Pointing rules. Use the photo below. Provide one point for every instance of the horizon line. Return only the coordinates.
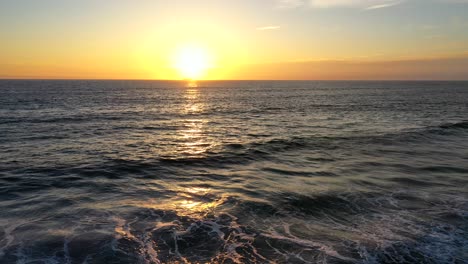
(233, 80)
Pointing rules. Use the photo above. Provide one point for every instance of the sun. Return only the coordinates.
(192, 62)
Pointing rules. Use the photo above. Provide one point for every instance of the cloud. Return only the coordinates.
(382, 5)
(268, 28)
(366, 4)
(455, 1)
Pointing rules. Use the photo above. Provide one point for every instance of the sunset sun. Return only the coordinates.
(192, 62)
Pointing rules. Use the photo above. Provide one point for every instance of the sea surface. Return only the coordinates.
(233, 172)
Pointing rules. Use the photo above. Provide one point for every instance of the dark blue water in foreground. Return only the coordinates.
(233, 172)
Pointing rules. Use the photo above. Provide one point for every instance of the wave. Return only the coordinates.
(350, 227)
(337, 142)
(318, 149)
(61, 120)
(459, 125)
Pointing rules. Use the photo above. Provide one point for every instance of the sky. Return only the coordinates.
(241, 39)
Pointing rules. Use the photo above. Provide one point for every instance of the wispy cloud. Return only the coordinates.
(366, 4)
(455, 1)
(268, 28)
(390, 4)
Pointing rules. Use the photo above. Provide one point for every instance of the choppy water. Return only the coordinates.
(233, 172)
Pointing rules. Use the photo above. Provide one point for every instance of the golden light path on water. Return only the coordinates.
(190, 202)
(193, 135)
(194, 202)
(189, 205)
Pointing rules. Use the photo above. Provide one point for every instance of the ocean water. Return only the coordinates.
(233, 172)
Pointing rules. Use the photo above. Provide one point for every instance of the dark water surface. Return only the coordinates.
(233, 172)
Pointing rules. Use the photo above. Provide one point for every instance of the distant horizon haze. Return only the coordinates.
(442, 69)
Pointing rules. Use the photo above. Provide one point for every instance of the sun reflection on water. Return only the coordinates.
(193, 104)
(196, 201)
(193, 202)
(193, 135)
(193, 140)
(192, 84)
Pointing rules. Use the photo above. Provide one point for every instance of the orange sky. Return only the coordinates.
(265, 39)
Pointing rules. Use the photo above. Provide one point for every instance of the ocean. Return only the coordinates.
(233, 172)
